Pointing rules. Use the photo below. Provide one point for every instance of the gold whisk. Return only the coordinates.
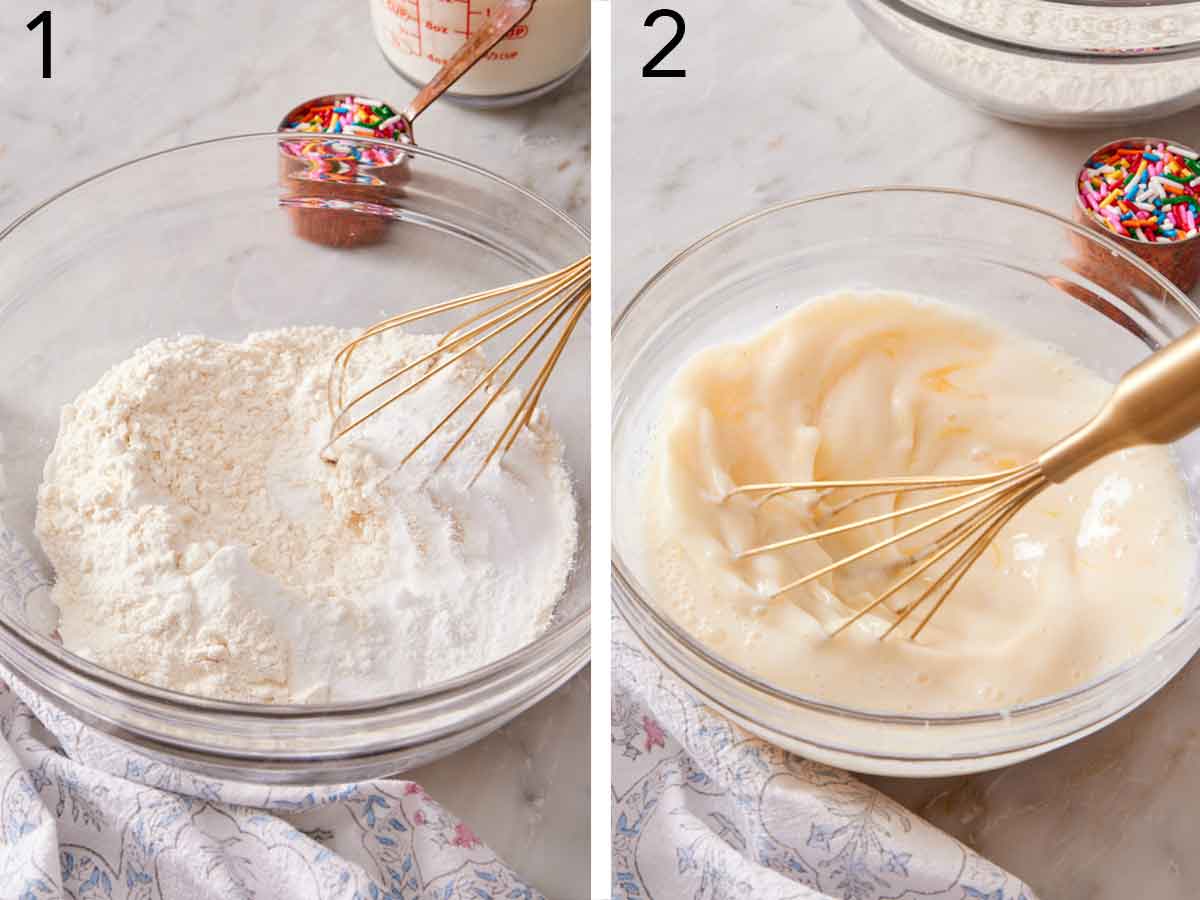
(561, 297)
(1156, 402)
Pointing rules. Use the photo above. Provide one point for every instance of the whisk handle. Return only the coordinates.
(1156, 402)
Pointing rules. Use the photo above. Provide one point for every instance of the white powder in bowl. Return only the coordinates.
(201, 544)
(1112, 78)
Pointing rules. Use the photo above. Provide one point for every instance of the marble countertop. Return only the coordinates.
(811, 104)
(134, 77)
(1106, 818)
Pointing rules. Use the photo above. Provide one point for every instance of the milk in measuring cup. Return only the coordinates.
(418, 36)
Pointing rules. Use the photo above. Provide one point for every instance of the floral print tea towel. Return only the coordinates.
(705, 811)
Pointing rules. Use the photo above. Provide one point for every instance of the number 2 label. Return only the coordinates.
(650, 69)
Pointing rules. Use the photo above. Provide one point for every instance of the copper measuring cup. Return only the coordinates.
(348, 208)
(1178, 261)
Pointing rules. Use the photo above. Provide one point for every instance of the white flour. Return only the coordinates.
(1051, 90)
(200, 544)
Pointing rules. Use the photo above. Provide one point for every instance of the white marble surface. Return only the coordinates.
(784, 99)
(134, 76)
(787, 99)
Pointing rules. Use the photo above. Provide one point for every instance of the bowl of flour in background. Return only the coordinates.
(1080, 64)
(195, 241)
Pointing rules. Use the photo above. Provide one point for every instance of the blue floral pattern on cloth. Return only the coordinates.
(83, 816)
(704, 810)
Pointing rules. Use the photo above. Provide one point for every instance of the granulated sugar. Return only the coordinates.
(201, 544)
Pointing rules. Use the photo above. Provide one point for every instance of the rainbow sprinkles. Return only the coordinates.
(351, 116)
(332, 157)
(1147, 192)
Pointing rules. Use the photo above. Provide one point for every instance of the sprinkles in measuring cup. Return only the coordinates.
(1148, 192)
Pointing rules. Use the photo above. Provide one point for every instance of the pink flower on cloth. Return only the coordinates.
(655, 736)
(465, 837)
(412, 788)
(419, 817)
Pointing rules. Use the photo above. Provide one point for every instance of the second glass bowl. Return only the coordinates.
(1084, 63)
(1032, 271)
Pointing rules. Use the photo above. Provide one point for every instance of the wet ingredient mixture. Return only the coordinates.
(199, 542)
(863, 384)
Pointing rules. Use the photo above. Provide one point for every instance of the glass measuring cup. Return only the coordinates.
(542, 52)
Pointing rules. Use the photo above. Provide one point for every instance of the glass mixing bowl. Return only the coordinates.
(198, 239)
(1029, 269)
(1076, 63)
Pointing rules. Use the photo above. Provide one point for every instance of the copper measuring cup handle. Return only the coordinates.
(507, 15)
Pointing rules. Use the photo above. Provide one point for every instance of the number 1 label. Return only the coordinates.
(43, 21)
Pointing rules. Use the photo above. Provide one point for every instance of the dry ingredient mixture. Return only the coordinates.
(858, 385)
(201, 544)
(1046, 88)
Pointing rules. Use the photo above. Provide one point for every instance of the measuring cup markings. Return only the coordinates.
(420, 36)
(408, 34)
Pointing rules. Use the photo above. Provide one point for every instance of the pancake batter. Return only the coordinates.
(863, 384)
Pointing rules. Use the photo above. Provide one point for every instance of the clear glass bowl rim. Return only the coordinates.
(962, 32)
(628, 590)
(59, 657)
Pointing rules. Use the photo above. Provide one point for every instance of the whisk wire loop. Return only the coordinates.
(965, 562)
(528, 299)
(903, 482)
(976, 516)
(952, 541)
(991, 492)
(561, 297)
(573, 275)
(983, 490)
(533, 397)
(518, 420)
